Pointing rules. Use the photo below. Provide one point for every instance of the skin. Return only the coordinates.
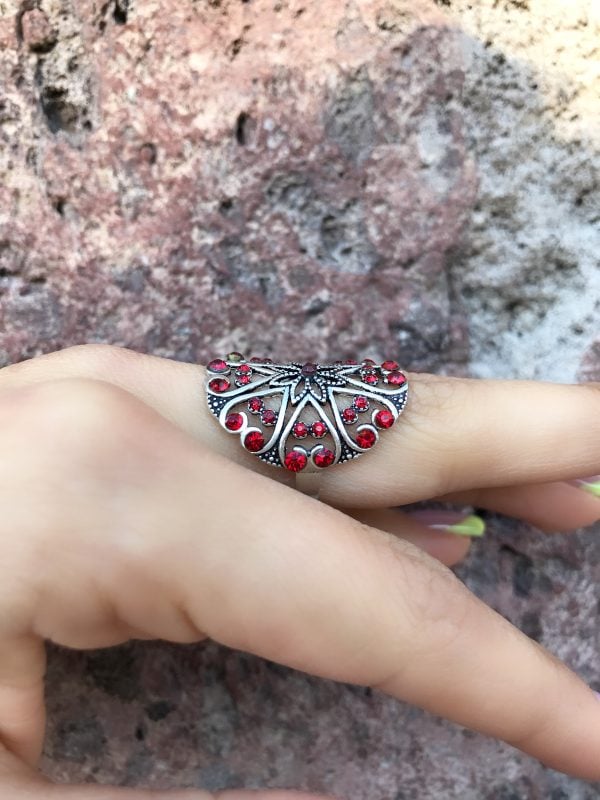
(110, 473)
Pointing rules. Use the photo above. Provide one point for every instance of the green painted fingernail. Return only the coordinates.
(591, 485)
(460, 523)
(469, 526)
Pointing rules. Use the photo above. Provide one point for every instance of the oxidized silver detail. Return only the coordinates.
(306, 393)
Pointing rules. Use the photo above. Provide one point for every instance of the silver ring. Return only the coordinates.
(305, 417)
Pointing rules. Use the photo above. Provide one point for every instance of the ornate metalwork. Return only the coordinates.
(305, 416)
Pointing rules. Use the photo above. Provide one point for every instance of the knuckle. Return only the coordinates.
(64, 418)
(89, 360)
(435, 605)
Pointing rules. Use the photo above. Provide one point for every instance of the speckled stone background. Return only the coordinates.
(311, 179)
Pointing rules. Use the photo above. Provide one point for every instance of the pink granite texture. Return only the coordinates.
(294, 178)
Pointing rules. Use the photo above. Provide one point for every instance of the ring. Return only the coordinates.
(305, 417)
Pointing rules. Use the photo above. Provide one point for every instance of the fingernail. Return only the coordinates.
(458, 522)
(591, 485)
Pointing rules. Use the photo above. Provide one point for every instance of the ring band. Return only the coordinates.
(305, 417)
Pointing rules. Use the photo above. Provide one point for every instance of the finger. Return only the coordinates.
(454, 433)
(551, 507)
(438, 540)
(181, 543)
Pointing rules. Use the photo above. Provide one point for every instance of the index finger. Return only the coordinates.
(454, 434)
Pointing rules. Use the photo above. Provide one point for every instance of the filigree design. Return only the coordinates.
(305, 415)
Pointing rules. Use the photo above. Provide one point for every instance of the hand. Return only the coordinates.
(125, 515)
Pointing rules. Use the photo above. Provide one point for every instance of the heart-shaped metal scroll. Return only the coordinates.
(305, 415)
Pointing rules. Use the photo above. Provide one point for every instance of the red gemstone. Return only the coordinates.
(368, 362)
(269, 417)
(370, 378)
(300, 430)
(324, 458)
(243, 369)
(318, 429)
(219, 385)
(389, 365)
(350, 361)
(254, 441)
(309, 369)
(255, 405)
(366, 438)
(218, 365)
(349, 415)
(257, 360)
(295, 460)
(360, 403)
(396, 378)
(243, 380)
(233, 422)
(384, 418)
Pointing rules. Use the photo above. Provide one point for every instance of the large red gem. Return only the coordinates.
(318, 429)
(234, 421)
(218, 365)
(300, 430)
(384, 418)
(360, 403)
(349, 416)
(255, 405)
(269, 417)
(389, 365)
(396, 378)
(295, 461)
(254, 441)
(366, 438)
(324, 458)
(219, 385)
(243, 380)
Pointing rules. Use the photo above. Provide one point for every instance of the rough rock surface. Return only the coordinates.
(313, 179)
(178, 176)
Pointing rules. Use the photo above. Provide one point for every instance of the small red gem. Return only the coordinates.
(349, 415)
(219, 385)
(254, 441)
(243, 369)
(389, 365)
(300, 430)
(243, 380)
(255, 405)
(350, 361)
(295, 461)
(396, 378)
(318, 429)
(218, 365)
(324, 458)
(368, 362)
(309, 369)
(360, 403)
(384, 418)
(366, 438)
(233, 422)
(269, 417)
(258, 360)
(370, 378)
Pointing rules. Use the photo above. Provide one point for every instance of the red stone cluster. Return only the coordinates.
(239, 370)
